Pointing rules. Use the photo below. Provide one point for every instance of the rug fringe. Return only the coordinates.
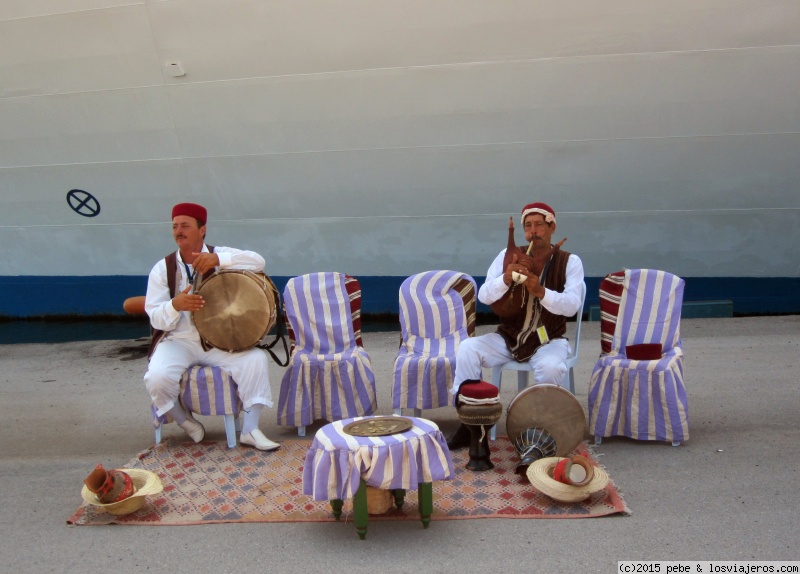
(596, 456)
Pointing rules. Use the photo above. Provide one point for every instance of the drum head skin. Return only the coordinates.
(239, 310)
(551, 408)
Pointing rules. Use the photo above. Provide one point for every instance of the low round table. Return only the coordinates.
(339, 466)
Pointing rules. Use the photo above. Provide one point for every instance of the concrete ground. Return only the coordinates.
(729, 493)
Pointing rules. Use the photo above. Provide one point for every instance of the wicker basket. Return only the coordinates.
(379, 501)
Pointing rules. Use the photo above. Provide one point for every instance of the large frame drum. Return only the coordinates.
(240, 309)
(551, 408)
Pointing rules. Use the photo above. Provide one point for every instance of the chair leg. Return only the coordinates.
(230, 430)
(301, 431)
(598, 439)
(497, 377)
(522, 380)
(676, 443)
(493, 432)
(158, 434)
(571, 380)
(397, 412)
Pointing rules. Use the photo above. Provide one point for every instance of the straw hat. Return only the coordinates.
(144, 481)
(540, 473)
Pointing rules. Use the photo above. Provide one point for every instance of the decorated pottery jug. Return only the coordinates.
(110, 485)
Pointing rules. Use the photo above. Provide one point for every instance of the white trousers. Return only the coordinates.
(490, 350)
(172, 357)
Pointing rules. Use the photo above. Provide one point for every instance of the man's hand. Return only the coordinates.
(514, 267)
(183, 301)
(531, 281)
(204, 262)
(533, 286)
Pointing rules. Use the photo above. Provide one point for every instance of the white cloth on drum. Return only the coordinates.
(490, 350)
(172, 357)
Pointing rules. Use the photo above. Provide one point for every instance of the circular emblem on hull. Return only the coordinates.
(83, 203)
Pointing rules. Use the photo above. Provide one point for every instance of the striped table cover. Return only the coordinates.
(336, 461)
(643, 400)
(437, 312)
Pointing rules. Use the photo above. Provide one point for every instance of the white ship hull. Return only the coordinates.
(383, 138)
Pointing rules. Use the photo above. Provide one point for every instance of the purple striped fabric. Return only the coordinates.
(329, 376)
(433, 323)
(208, 391)
(336, 461)
(156, 419)
(643, 400)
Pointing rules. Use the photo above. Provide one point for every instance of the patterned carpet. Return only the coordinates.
(208, 483)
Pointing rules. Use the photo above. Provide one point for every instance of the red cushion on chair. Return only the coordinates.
(644, 352)
(478, 390)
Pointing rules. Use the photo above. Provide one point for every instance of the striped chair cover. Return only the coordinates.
(207, 391)
(437, 312)
(210, 391)
(329, 374)
(610, 295)
(643, 400)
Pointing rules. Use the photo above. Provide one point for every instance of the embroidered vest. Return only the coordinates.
(521, 339)
(172, 278)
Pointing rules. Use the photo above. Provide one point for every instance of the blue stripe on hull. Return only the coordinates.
(41, 296)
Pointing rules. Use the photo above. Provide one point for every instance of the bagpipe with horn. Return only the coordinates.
(517, 295)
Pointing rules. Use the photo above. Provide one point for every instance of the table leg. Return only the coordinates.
(425, 494)
(336, 505)
(399, 497)
(361, 515)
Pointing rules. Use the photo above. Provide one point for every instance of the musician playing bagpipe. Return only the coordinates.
(533, 289)
(176, 343)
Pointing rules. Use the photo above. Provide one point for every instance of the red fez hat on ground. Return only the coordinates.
(192, 210)
(476, 392)
(543, 208)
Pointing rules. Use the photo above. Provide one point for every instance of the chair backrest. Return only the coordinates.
(579, 320)
(649, 309)
(610, 296)
(324, 312)
(437, 311)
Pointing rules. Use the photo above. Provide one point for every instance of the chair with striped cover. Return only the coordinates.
(637, 388)
(437, 312)
(207, 391)
(329, 374)
(524, 368)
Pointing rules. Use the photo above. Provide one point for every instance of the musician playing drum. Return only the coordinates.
(176, 342)
(532, 329)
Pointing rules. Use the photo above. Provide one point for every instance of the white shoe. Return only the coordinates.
(194, 429)
(258, 440)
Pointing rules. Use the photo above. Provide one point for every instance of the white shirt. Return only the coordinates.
(158, 303)
(566, 303)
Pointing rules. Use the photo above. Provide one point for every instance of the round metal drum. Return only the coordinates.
(551, 408)
(239, 309)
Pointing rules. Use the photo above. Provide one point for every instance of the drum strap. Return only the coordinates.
(280, 324)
